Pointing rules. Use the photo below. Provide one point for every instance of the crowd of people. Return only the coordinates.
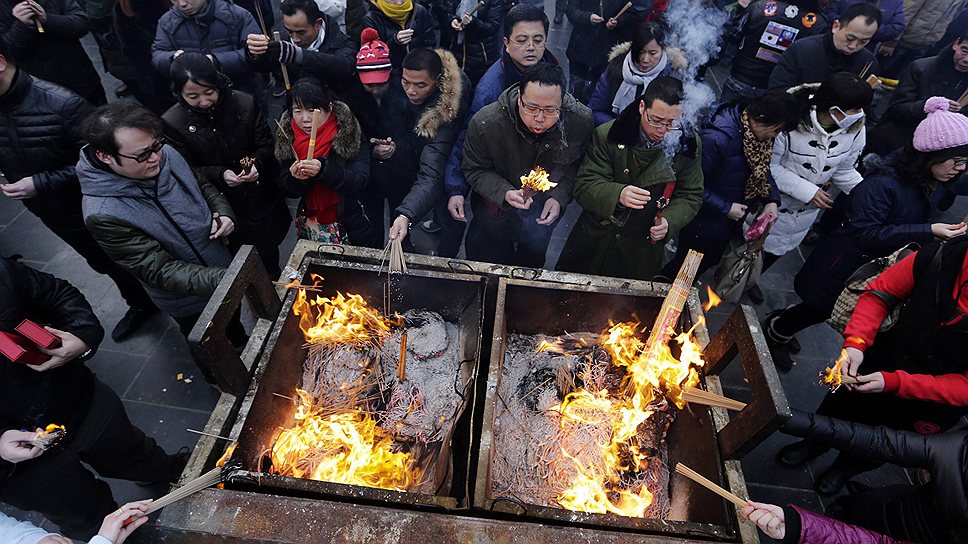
(399, 114)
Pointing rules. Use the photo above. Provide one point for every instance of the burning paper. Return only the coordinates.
(537, 181)
(833, 377)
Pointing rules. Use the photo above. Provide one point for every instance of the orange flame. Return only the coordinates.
(554, 347)
(537, 180)
(343, 319)
(713, 298)
(227, 455)
(832, 376)
(650, 374)
(54, 427)
(346, 448)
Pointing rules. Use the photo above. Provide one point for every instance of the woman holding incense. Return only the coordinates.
(113, 529)
(325, 161)
(224, 137)
(404, 24)
(890, 209)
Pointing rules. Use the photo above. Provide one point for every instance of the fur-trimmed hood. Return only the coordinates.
(451, 87)
(804, 92)
(677, 59)
(346, 143)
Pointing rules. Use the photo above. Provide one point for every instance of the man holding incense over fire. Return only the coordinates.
(641, 182)
(533, 126)
(63, 391)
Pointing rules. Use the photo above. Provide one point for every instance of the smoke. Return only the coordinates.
(696, 28)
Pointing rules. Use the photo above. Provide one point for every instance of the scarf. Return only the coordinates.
(397, 12)
(758, 154)
(633, 81)
(318, 42)
(321, 203)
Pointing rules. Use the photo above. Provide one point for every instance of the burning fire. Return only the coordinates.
(227, 455)
(343, 319)
(537, 181)
(713, 298)
(346, 448)
(832, 376)
(651, 374)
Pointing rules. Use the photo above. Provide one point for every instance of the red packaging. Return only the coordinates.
(20, 350)
(38, 334)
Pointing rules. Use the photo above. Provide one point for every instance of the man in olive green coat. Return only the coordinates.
(627, 177)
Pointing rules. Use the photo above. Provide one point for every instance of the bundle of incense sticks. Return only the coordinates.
(537, 181)
(247, 163)
(396, 260)
(671, 309)
(215, 476)
(873, 81)
(317, 117)
(963, 99)
(275, 36)
(703, 481)
(694, 395)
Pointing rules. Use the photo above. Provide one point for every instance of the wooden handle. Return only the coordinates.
(285, 71)
(622, 11)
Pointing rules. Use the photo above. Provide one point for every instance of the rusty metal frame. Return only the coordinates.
(245, 276)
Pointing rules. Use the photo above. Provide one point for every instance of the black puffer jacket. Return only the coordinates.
(933, 513)
(31, 399)
(56, 55)
(589, 43)
(38, 123)
(419, 20)
(478, 48)
(812, 59)
(333, 64)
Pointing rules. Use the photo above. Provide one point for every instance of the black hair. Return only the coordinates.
(99, 127)
(963, 36)
(524, 13)
(309, 93)
(844, 90)
(775, 108)
(309, 7)
(665, 88)
(544, 73)
(643, 35)
(199, 69)
(869, 12)
(914, 166)
(421, 59)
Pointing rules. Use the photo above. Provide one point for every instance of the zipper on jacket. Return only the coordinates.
(171, 220)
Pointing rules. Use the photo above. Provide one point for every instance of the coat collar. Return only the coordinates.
(450, 89)
(346, 143)
(19, 87)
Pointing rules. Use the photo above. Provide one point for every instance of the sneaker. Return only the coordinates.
(755, 294)
(133, 319)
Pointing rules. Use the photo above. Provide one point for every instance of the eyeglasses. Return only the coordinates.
(959, 162)
(533, 111)
(147, 153)
(670, 125)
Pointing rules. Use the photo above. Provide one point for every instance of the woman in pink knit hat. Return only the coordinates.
(914, 375)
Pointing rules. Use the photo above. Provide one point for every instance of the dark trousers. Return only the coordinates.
(71, 230)
(796, 318)
(58, 486)
(451, 231)
(507, 236)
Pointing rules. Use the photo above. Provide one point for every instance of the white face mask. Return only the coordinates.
(848, 120)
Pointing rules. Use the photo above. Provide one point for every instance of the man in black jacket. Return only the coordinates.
(38, 150)
(316, 47)
(943, 75)
(63, 391)
(812, 59)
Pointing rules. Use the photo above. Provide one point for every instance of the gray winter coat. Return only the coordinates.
(158, 230)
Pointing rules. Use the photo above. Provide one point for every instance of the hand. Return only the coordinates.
(515, 198)
(71, 347)
(611, 23)
(113, 527)
(550, 212)
(39, 13)
(595, 19)
(399, 228)
(870, 383)
(21, 190)
(257, 44)
(466, 19)
(23, 13)
(15, 446)
(304, 170)
(822, 200)
(634, 197)
(55, 539)
(954, 106)
(455, 205)
(770, 210)
(404, 36)
(943, 232)
(736, 211)
(660, 230)
(768, 517)
(854, 358)
(885, 51)
(231, 178)
(253, 175)
(384, 149)
(456, 25)
(222, 226)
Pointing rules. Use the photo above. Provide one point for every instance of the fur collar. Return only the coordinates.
(625, 131)
(677, 59)
(346, 143)
(450, 90)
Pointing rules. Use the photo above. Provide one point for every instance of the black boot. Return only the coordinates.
(779, 344)
(834, 478)
(793, 345)
(798, 453)
(133, 319)
(755, 294)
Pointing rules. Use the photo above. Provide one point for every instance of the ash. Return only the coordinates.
(528, 464)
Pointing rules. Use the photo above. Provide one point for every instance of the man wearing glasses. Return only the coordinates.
(534, 124)
(144, 206)
(640, 183)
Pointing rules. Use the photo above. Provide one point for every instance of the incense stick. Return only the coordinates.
(703, 481)
(282, 65)
(623, 10)
(317, 115)
(402, 364)
(694, 395)
(211, 435)
(477, 7)
(863, 73)
(39, 25)
(963, 99)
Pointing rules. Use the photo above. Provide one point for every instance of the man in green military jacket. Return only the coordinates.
(627, 177)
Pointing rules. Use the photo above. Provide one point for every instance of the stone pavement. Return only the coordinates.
(164, 393)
